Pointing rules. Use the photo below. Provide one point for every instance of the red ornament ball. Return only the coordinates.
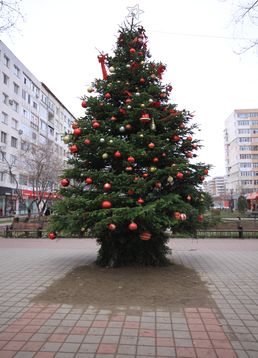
(74, 125)
(128, 127)
(176, 138)
(151, 145)
(177, 215)
(130, 192)
(107, 186)
(131, 159)
(189, 138)
(206, 172)
(95, 125)
(52, 235)
(142, 80)
(189, 155)
(155, 160)
(77, 131)
(65, 182)
(200, 218)
(84, 104)
(88, 181)
(158, 184)
(133, 226)
(106, 204)
(111, 227)
(140, 201)
(87, 141)
(128, 169)
(180, 175)
(118, 154)
(132, 50)
(73, 148)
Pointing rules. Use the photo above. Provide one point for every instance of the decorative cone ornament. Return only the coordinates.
(145, 118)
(145, 236)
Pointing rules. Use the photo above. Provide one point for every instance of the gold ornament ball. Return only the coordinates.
(111, 141)
(142, 62)
(128, 66)
(153, 169)
(66, 139)
(137, 94)
(170, 179)
(111, 69)
(141, 135)
(142, 105)
(105, 156)
(90, 89)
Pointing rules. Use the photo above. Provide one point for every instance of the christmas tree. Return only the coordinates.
(131, 175)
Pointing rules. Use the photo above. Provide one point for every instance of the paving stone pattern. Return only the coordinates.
(33, 330)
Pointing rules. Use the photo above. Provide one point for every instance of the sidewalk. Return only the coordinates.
(29, 330)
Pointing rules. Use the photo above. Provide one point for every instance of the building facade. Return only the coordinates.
(241, 152)
(29, 113)
(216, 187)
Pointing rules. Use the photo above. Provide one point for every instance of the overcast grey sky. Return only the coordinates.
(58, 41)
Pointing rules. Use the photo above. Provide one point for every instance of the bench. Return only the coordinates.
(240, 234)
(23, 227)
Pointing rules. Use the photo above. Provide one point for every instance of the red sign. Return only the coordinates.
(34, 194)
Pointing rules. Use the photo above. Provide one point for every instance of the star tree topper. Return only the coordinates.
(134, 13)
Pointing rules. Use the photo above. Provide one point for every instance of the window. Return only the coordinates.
(5, 98)
(4, 118)
(14, 123)
(24, 145)
(24, 95)
(51, 130)
(245, 165)
(16, 106)
(25, 113)
(15, 88)
(13, 159)
(43, 126)
(243, 123)
(3, 156)
(14, 142)
(23, 179)
(6, 61)
(5, 79)
(245, 139)
(2, 176)
(3, 137)
(12, 178)
(34, 135)
(35, 105)
(16, 70)
(246, 182)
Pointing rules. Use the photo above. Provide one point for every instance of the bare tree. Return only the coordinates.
(41, 167)
(245, 19)
(10, 13)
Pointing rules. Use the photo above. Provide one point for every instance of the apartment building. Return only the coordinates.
(241, 152)
(29, 113)
(216, 187)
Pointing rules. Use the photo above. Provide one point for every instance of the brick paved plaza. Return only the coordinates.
(27, 329)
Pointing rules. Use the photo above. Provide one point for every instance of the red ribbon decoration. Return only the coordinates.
(160, 70)
(101, 59)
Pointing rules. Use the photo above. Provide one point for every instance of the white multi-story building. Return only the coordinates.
(216, 187)
(241, 152)
(29, 113)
